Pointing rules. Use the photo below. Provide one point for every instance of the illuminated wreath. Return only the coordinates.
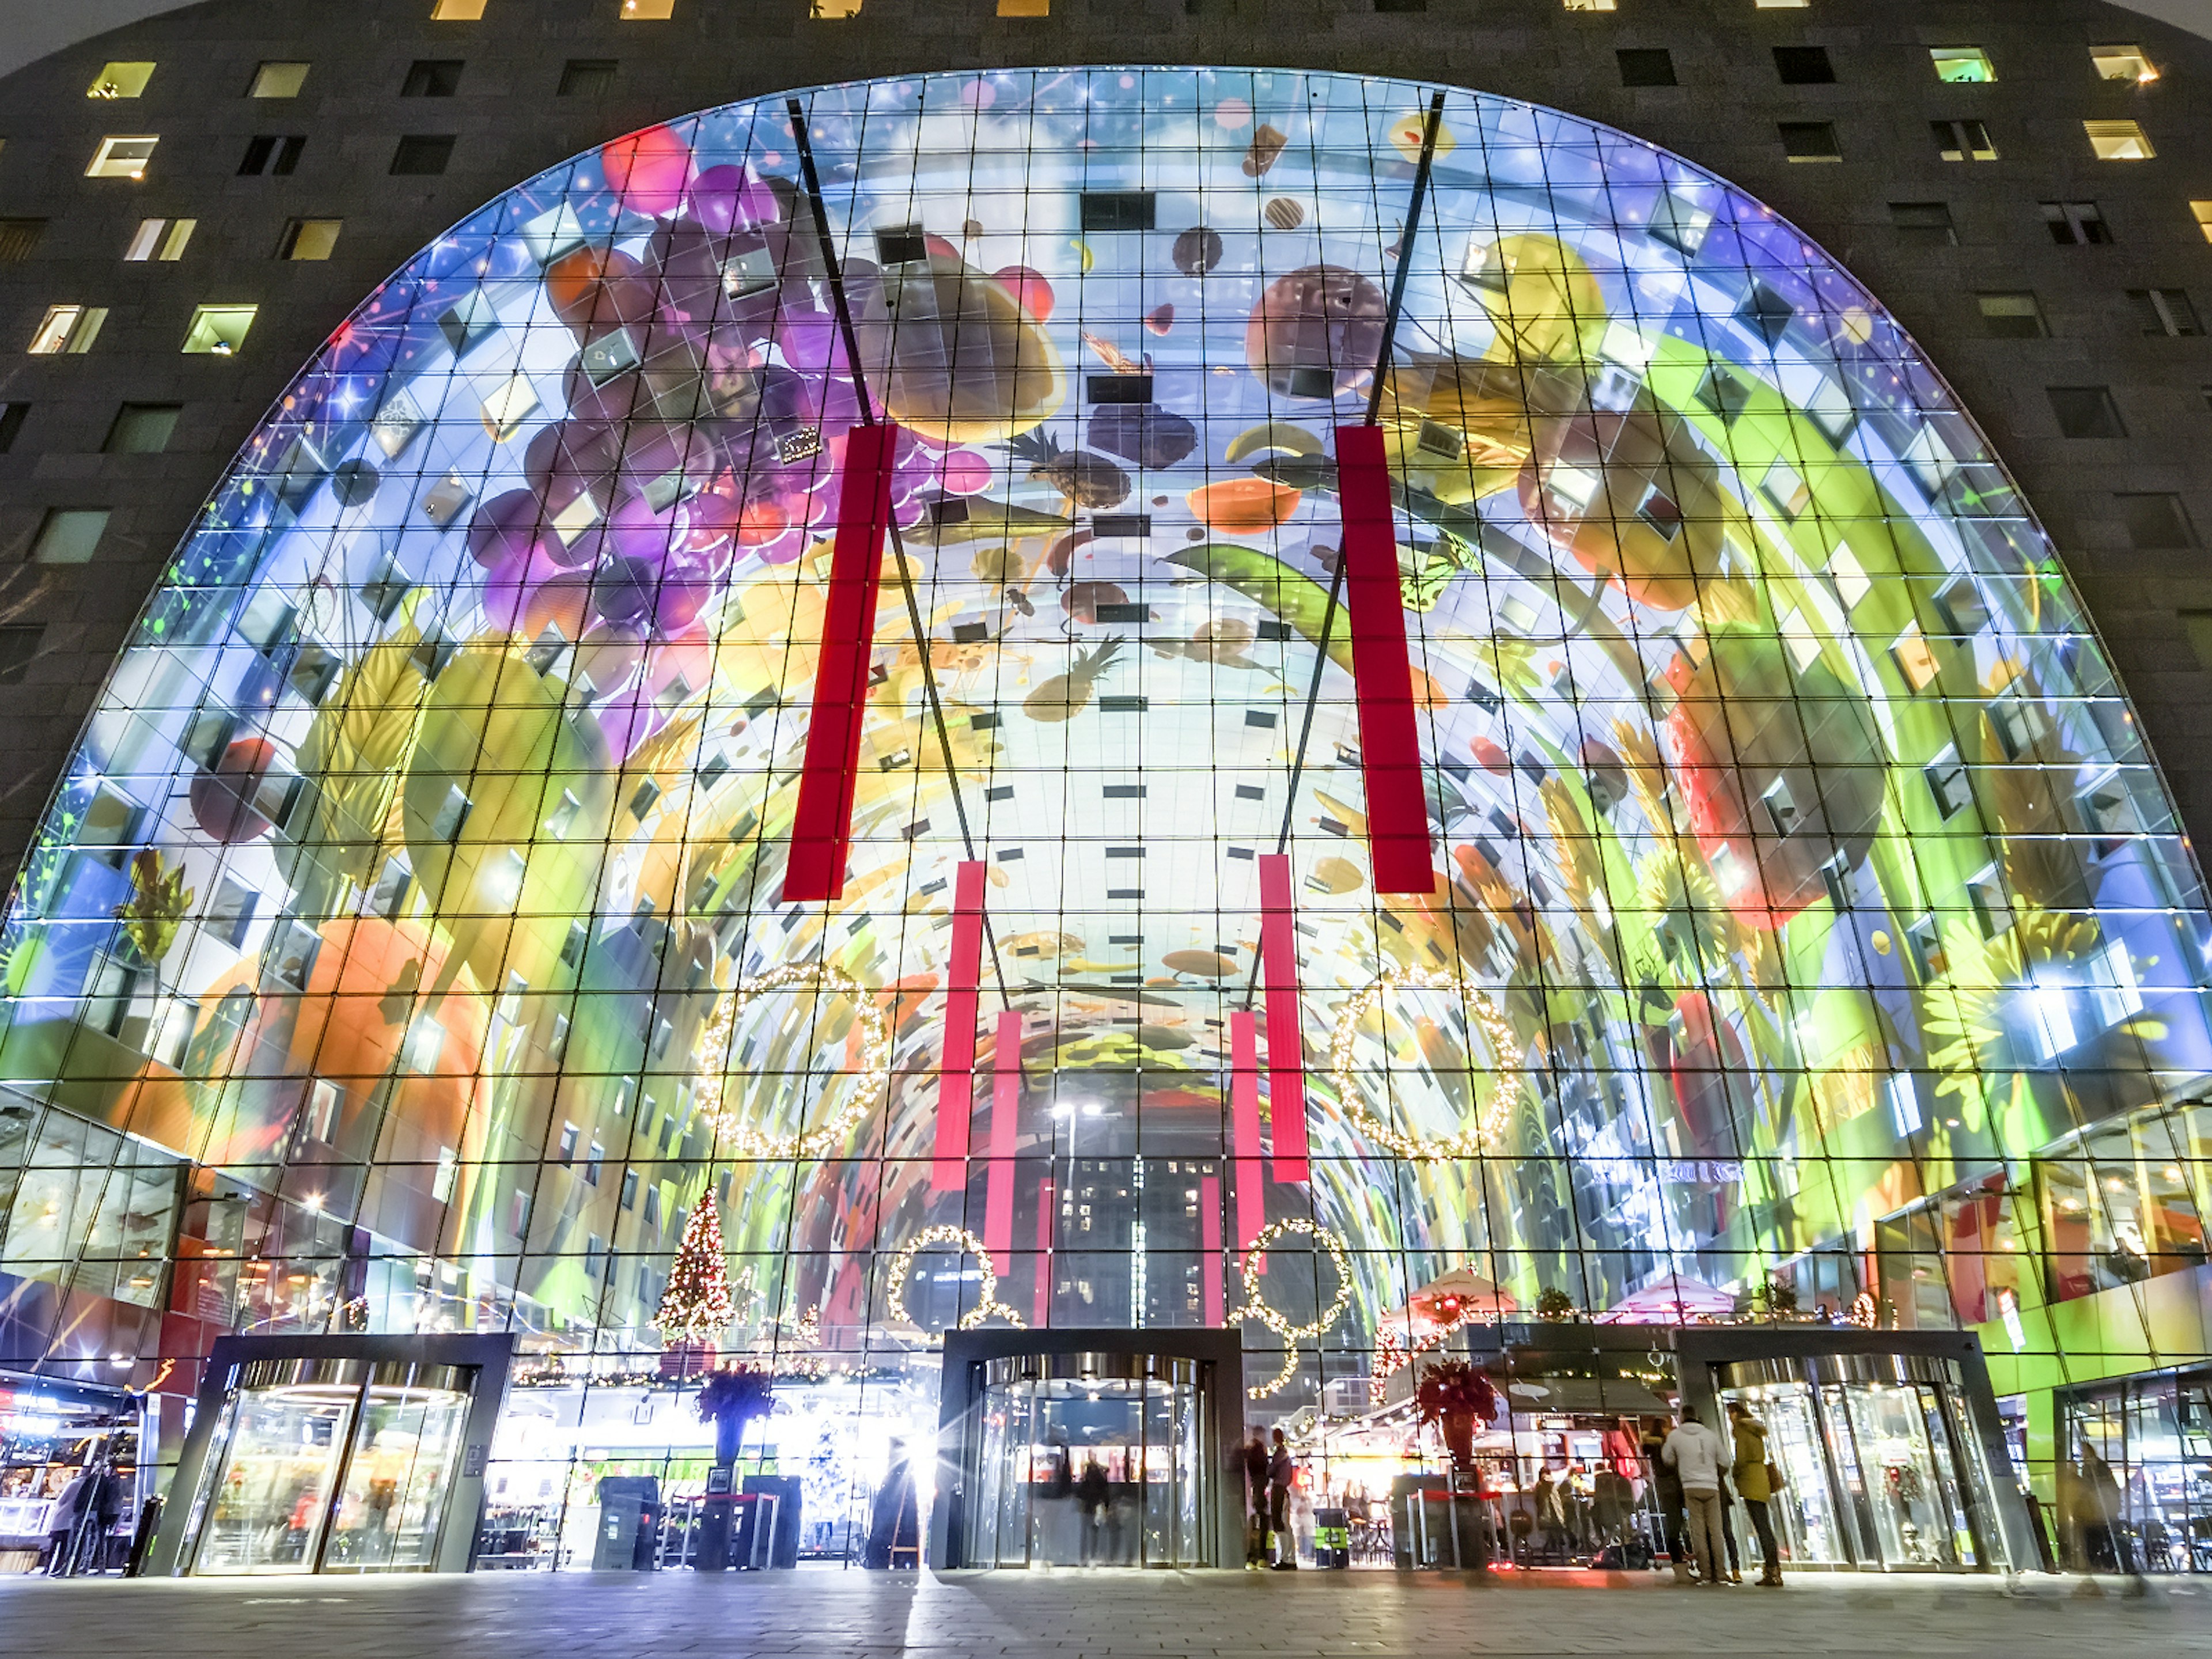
(1256, 1307)
(714, 1052)
(1497, 1030)
(902, 1264)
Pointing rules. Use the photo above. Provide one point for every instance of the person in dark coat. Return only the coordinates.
(1093, 1494)
(1255, 1500)
(1667, 1493)
(61, 1522)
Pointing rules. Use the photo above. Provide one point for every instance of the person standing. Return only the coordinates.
(1754, 1484)
(1667, 1494)
(1282, 1474)
(1255, 1500)
(1694, 1452)
(61, 1522)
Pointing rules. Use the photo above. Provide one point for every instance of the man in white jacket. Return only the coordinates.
(1694, 1452)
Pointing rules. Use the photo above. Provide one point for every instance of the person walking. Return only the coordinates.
(1092, 1494)
(1694, 1452)
(1282, 1474)
(1255, 1500)
(1754, 1483)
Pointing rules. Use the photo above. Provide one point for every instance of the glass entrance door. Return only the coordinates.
(330, 1466)
(1881, 1467)
(1089, 1459)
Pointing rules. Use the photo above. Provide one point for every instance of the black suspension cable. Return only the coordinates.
(835, 275)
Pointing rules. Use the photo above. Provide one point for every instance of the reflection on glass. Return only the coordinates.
(270, 1493)
(1803, 1510)
(396, 1484)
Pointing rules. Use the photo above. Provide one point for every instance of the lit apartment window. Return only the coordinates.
(833, 8)
(121, 158)
(2075, 223)
(2122, 63)
(1781, 5)
(456, 11)
(277, 80)
(1961, 141)
(1961, 63)
(587, 78)
(1592, 5)
(432, 77)
(2118, 141)
(1646, 66)
(648, 11)
(309, 239)
(1043, 8)
(1810, 141)
(18, 238)
(2012, 316)
(70, 329)
(272, 153)
(68, 535)
(218, 331)
(2164, 311)
(160, 239)
(142, 428)
(120, 80)
(421, 154)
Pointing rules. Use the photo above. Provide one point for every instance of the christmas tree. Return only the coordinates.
(696, 1307)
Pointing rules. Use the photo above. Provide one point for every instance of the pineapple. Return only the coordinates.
(1064, 696)
(1087, 480)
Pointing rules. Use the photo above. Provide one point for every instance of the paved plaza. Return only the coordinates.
(831, 1614)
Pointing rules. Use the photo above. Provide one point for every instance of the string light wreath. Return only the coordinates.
(1256, 1306)
(714, 1053)
(929, 1237)
(1497, 1030)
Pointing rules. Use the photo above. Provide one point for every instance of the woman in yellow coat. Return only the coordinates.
(1754, 1485)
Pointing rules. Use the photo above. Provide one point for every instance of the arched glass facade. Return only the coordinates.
(405, 949)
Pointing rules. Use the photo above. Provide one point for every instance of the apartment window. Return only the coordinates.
(2011, 316)
(1043, 8)
(2075, 223)
(277, 80)
(1986, 892)
(1963, 141)
(2156, 522)
(121, 158)
(2122, 63)
(1962, 64)
(2118, 141)
(587, 78)
(218, 330)
(70, 329)
(12, 416)
(276, 154)
(19, 648)
(648, 11)
(570, 1134)
(142, 428)
(1592, 5)
(629, 1189)
(1810, 141)
(1948, 784)
(423, 154)
(2164, 311)
(834, 10)
(68, 535)
(18, 238)
(1646, 66)
(595, 1164)
(432, 77)
(308, 239)
(1924, 221)
(1780, 5)
(158, 238)
(456, 11)
(2085, 411)
(1804, 66)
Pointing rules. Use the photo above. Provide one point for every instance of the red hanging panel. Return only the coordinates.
(1381, 672)
(1286, 1057)
(956, 1067)
(1244, 1127)
(822, 833)
(1210, 1271)
(1005, 1119)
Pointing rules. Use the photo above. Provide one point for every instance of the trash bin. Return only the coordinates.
(1332, 1538)
(630, 1523)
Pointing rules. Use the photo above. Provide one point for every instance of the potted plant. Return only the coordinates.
(730, 1399)
(1454, 1394)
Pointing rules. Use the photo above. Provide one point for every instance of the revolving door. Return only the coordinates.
(1089, 1459)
